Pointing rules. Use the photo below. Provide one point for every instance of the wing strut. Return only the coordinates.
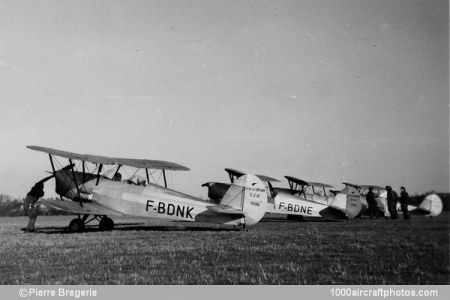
(148, 178)
(76, 183)
(117, 171)
(165, 181)
(53, 168)
(98, 173)
(84, 171)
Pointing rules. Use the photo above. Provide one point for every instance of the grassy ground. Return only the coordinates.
(143, 251)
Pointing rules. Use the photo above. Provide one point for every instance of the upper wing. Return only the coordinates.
(104, 160)
(296, 180)
(89, 208)
(352, 185)
(233, 172)
(375, 187)
(237, 173)
(321, 185)
(267, 178)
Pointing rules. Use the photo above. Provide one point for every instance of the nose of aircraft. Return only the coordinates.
(64, 182)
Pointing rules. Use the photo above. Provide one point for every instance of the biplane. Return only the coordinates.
(93, 188)
(430, 206)
(292, 203)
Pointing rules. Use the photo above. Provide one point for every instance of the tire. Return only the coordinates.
(106, 224)
(76, 225)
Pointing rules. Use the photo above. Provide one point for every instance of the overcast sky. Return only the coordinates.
(326, 91)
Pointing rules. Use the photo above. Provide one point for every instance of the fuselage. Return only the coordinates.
(152, 200)
(285, 203)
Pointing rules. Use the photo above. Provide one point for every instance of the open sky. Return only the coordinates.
(328, 91)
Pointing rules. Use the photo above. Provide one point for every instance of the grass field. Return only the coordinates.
(143, 251)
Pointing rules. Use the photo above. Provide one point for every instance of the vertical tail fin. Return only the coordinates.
(432, 204)
(348, 201)
(248, 194)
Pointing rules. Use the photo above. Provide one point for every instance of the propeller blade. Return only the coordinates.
(46, 178)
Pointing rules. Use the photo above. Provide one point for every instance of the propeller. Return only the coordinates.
(68, 167)
(47, 178)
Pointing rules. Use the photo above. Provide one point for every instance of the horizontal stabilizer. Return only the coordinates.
(225, 210)
(91, 208)
(332, 213)
(414, 210)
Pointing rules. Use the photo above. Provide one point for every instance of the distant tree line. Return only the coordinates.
(13, 207)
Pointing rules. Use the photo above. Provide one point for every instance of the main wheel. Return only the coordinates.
(106, 224)
(76, 225)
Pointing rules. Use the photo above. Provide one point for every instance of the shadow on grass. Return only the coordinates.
(132, 227)
(305, 220)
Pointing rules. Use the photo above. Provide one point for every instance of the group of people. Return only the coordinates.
(392, 199)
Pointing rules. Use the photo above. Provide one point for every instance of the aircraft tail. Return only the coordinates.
(247, 194)
(347, 201)
(431, 206)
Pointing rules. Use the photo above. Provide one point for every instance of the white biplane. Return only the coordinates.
(86, 190)
(293, 203)
(430, 206)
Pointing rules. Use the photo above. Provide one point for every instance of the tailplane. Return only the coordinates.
(430, 206)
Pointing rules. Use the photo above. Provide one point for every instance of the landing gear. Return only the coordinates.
(79, 224)
(106, 223)
(76, 225)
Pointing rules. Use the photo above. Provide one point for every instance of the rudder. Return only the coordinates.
(248, 194)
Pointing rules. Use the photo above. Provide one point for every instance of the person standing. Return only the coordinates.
(36, 192)
(372, 202)
(404, 201)
(392, 199)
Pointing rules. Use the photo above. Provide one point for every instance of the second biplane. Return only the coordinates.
(87, 191)
(294, 203)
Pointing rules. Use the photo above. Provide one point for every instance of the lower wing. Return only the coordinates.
(90, 208)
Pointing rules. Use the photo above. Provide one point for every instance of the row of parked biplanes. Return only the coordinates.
(93, 188)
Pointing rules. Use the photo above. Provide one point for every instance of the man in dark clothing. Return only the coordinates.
(372, 202)
(36, 192)
(404, 201)
(392, 199)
